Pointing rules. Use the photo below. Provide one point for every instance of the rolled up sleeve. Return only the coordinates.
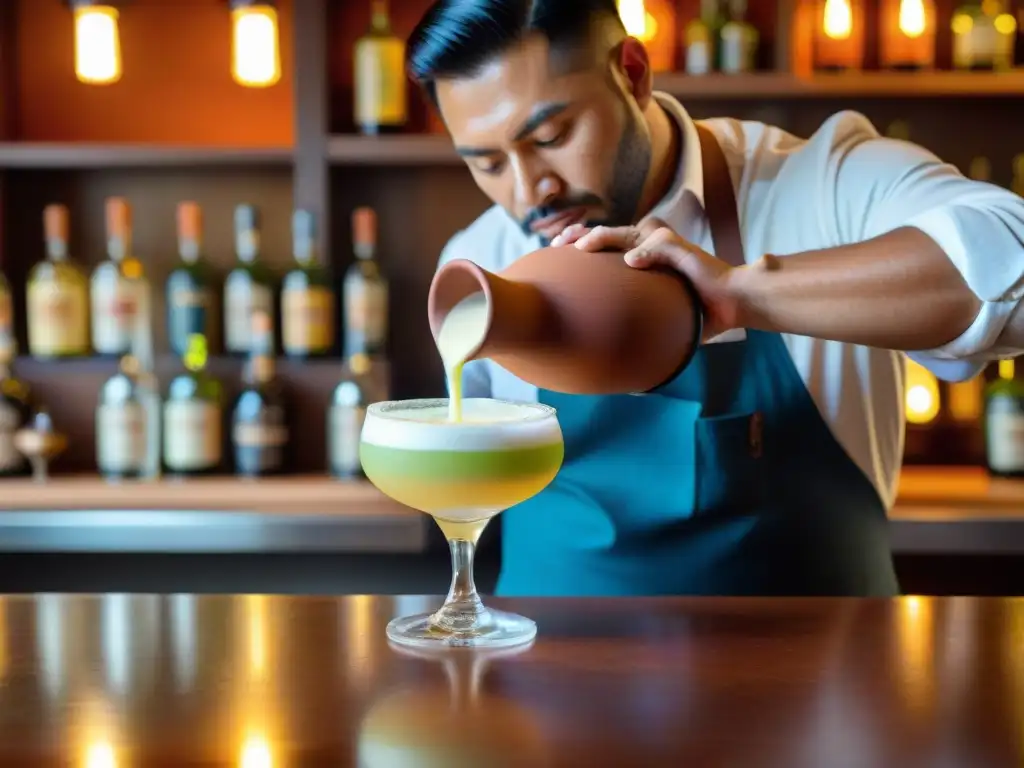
(476, 380)
(883, 184)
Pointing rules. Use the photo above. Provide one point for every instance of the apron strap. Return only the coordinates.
(720, 200)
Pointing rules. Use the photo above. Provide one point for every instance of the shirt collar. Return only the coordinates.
(689, 177)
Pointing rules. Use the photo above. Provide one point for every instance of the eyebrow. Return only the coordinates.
(541, 115)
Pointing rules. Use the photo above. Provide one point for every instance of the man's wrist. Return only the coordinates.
(745, 287)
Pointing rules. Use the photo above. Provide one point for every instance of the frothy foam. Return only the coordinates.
(486, 425)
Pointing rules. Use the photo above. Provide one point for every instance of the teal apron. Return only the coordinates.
(724, 481)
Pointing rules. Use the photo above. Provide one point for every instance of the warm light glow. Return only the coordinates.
(100, 754)
(965, 400)
(97, 44)
(837, 22)
(913, 21)
(255, 56)
(916, 653)
(256, 752)
(922, 398)
(1006, 370)
(1005, 24)
(256, 608)
(637, 21)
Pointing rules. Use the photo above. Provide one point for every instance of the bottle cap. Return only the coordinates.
(119, 217)
(190, 220)
(55, 222)
(364, 226)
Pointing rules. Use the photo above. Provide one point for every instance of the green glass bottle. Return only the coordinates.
(249, 287)
(191, 302)
(193, 416)
(1004, 423)
(307, 296)
(259, 428)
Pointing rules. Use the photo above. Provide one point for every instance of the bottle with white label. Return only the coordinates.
(307, 296)
(249, 287)
(739, 39)
(58, 296)
(345, 418)
(128, 412)
(366, 291)
(259, 429)
(1004, 423)
(15, 409)
(115, 284)
(984, 33)
(702, 37)
(193, 417)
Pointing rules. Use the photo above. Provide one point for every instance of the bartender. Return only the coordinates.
(769, 464)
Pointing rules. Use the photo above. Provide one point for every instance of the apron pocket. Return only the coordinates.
(730, 466)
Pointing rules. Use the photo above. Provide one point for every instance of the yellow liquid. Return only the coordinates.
(462, 529)
(462, 331)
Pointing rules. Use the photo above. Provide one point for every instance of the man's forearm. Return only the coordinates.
(896, 291)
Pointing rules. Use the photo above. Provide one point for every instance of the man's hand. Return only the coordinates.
(653, 243)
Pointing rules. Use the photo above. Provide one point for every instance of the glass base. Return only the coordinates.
(487, 629)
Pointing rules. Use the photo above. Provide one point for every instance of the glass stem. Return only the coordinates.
(463, 607)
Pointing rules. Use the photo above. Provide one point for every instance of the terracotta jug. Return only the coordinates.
(570, 321)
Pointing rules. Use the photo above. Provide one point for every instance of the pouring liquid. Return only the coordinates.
(462, 331)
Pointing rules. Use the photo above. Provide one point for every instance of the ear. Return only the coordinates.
(636, 66)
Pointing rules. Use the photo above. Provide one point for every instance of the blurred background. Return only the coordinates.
(218, 224)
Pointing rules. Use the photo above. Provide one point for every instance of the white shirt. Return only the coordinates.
(844, 184)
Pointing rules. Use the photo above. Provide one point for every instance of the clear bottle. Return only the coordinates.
(345, 418)
(15, 408)
(702, 37)
(249, 287)
(984, 35)
(191, 299)
(738, 40)
(58, 296)
(379, 74)
(307, 296)
(193, 416)
(128, 412)
(1004, 423)
(366, 290)
(259, 430)
(116, 283)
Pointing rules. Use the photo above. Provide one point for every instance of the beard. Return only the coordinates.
(620, 203)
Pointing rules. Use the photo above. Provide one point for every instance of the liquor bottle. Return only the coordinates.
(259, 430)
(366, 290)
(115, 283)
(1004, 423)
(15, 408)
(739, 40)
(58, 296)
(249, 286)
(380, 79)
(128, 413)
(307, 298)
(702, 36)
(193, 416)
(191, 302)
(984, 34)
(345, 418)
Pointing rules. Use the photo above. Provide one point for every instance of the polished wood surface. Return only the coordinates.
(263, 682)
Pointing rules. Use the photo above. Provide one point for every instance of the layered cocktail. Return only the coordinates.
(462, 473)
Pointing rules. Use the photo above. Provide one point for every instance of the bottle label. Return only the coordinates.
(380, 82)
(243, 297)
(114, 302)
(192, 435)
(1004, 438)
(120, 437)
(366, 316)
(10, 421)
(58, 319)
(346, 427)
(260, 444)
(308, 320)
(739, 45)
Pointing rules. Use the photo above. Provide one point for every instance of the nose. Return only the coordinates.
(535, 183)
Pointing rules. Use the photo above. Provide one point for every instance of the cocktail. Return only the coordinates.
(462, 473)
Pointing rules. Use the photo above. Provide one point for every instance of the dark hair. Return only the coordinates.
(457, 37)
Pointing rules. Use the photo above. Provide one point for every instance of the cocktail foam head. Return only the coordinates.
(486, 425)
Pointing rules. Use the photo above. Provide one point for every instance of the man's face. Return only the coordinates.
(553, 142)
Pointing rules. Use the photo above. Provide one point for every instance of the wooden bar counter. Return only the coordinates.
(273, 682)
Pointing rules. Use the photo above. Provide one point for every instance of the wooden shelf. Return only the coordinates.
(773, 85)
(42, 155)
(433, 149)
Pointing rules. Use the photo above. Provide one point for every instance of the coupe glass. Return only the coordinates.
(462, 474)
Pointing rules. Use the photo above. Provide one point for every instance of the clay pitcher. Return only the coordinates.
(575, 322)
